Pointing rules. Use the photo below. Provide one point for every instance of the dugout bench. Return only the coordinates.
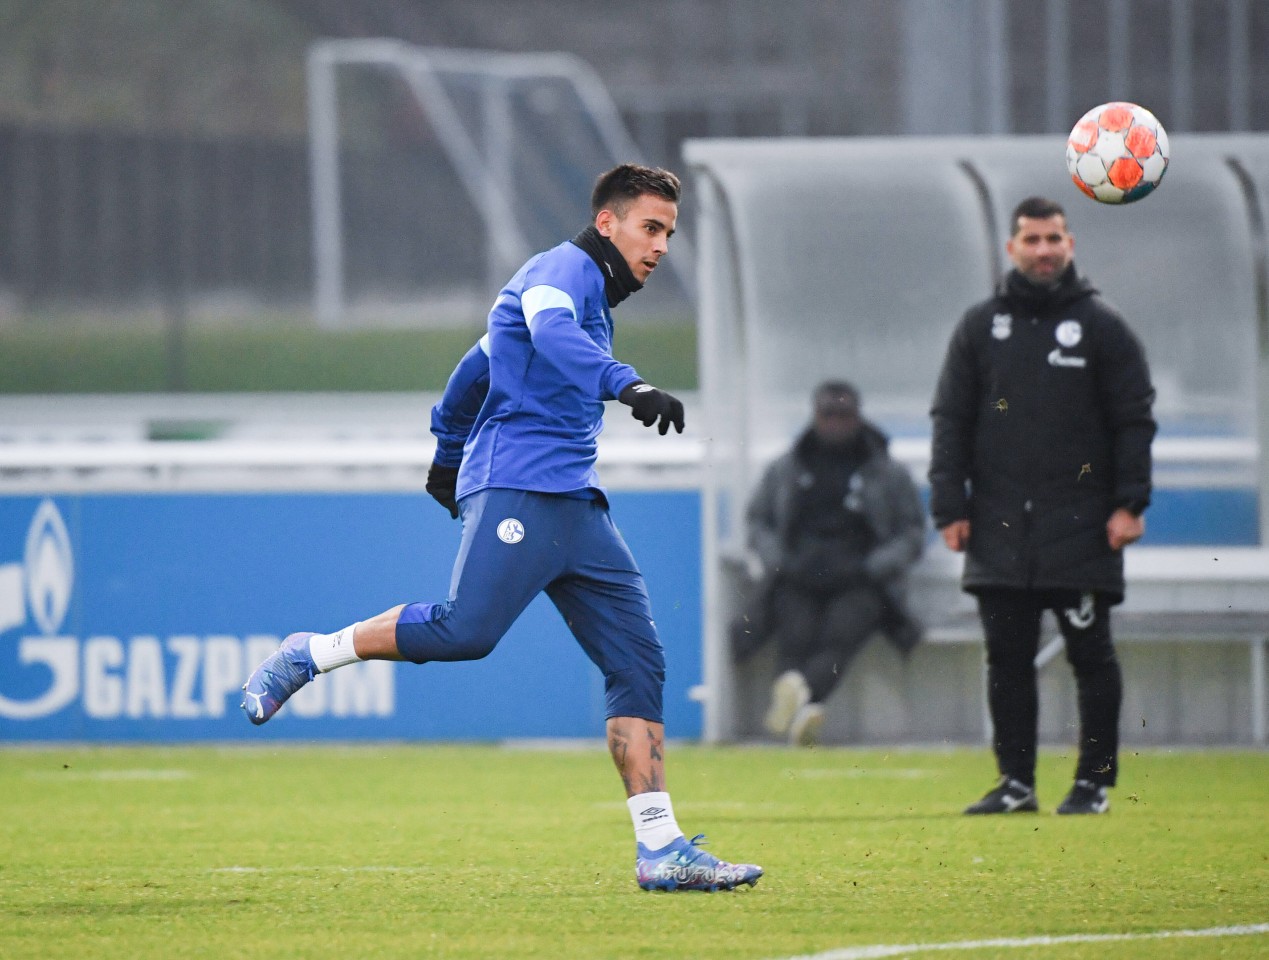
(1191, 636)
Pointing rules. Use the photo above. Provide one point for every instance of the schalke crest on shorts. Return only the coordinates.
(511, 530)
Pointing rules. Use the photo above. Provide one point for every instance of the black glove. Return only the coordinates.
(648, 404)
(442, 483)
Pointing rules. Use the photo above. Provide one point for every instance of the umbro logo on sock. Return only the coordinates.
(652, 813)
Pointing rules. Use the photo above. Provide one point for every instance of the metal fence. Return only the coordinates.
(111, 218)
(114, 218)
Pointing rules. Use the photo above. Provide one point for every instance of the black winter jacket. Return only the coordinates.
(890, 505)
(1042, 428)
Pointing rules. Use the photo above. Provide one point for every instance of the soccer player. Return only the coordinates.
(516, 433)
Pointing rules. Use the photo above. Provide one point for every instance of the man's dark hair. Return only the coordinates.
(621, 186)
(1036, 208)
(835, 388)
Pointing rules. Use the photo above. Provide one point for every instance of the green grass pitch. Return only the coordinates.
(486, 851)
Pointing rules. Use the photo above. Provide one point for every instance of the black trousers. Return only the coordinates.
(1011, 624)
(818, 634)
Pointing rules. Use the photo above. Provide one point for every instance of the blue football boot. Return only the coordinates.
(683, 865)
(282, 673)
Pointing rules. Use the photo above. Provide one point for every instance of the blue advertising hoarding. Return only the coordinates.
(136, 617)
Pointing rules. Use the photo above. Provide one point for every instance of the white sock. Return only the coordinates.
(653, 817)
(331, 650)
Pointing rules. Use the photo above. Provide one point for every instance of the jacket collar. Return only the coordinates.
(1018, 291)
(872, 442)
(619, 281)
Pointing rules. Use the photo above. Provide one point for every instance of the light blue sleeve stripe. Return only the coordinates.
(483, 343)
(543, 297)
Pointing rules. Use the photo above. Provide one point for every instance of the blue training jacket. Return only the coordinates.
(524, 407)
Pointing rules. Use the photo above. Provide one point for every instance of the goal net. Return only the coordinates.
(476, 161)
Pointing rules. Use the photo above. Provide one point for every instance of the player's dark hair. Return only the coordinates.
(835, 388)
(621, 186)
(1036, 208)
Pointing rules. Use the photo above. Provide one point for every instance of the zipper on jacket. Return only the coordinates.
(1026, 542)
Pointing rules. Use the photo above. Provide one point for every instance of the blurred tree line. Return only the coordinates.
(214, 67)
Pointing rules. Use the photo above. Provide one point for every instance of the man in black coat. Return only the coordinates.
(1040, 472)
(833, 528)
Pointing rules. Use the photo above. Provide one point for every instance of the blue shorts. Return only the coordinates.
(515, 545)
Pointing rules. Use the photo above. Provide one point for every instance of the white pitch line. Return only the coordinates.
(894, 950)
(144, 774)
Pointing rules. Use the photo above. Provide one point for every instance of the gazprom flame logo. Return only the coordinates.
(51, 660)
(42, 584)
(50, 569)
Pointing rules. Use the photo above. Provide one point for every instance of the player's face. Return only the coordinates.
(1041, 249)
(642, 234)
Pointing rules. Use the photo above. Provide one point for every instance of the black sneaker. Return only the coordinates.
(1008, 796)
(1085, 797)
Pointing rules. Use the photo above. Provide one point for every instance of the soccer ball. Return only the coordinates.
(1117, 153)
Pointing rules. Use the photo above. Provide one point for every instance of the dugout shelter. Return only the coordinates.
(855, 258)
